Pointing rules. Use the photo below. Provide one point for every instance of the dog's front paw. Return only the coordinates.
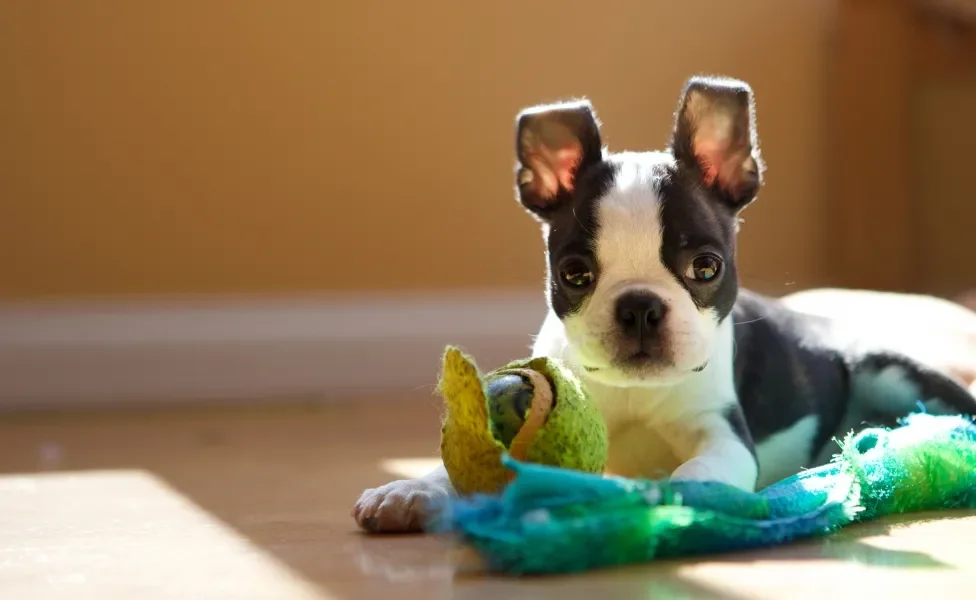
(398, 507)
(704, 468)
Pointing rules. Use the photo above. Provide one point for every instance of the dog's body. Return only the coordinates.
(695, 378)
(785, 383)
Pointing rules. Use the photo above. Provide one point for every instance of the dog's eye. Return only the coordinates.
(577, 274)
(704, 268)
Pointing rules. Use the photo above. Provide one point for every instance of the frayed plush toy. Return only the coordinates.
(551, 520)
(533, 410)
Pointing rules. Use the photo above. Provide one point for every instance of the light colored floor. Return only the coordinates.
(254, 503)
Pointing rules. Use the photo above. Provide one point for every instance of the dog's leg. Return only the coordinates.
(403, 506)
(715, 447)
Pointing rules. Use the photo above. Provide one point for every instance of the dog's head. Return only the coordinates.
(641, 245)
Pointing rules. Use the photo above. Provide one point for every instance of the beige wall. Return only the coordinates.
(944, 136)
(280, 147)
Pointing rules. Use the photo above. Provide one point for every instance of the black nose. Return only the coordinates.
(639, 313)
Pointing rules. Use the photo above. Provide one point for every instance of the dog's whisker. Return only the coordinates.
(756, 320)
(580, 222)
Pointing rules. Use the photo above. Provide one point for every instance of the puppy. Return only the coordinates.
(695, 377)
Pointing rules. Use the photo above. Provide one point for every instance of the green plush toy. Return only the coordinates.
(534, 410)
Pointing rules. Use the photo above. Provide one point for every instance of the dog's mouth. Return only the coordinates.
(697, 369)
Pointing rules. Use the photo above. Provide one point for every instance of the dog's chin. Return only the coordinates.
(641, 371)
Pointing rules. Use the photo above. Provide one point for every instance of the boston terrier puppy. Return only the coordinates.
(695, 377)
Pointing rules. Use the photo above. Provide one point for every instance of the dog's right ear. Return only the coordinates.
(554, 143)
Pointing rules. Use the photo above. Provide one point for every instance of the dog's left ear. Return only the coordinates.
(715, 136)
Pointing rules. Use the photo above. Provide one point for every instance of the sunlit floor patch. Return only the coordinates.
(127, 534)
(409, 468)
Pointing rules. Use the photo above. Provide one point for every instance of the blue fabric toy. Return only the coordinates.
(555, 520)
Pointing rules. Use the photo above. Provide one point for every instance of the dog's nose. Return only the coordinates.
(639, 313)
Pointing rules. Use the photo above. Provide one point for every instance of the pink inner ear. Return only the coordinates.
(719, 164)
(710, 156)
(554, 168)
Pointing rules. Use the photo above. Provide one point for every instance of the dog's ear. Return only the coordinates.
(554, 144)
(715, 137)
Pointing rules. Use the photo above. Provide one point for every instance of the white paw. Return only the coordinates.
(400, 506)
(709, 469)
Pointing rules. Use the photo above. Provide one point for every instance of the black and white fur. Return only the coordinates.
(696, 378)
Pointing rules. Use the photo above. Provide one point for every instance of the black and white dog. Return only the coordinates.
(695, 377)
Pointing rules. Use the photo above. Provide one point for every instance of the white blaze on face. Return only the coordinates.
(628, 250)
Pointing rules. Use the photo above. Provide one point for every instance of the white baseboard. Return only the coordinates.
(158, 351)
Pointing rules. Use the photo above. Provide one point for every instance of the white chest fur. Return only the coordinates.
(637, 446)
(653, 430)
(650, 426)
